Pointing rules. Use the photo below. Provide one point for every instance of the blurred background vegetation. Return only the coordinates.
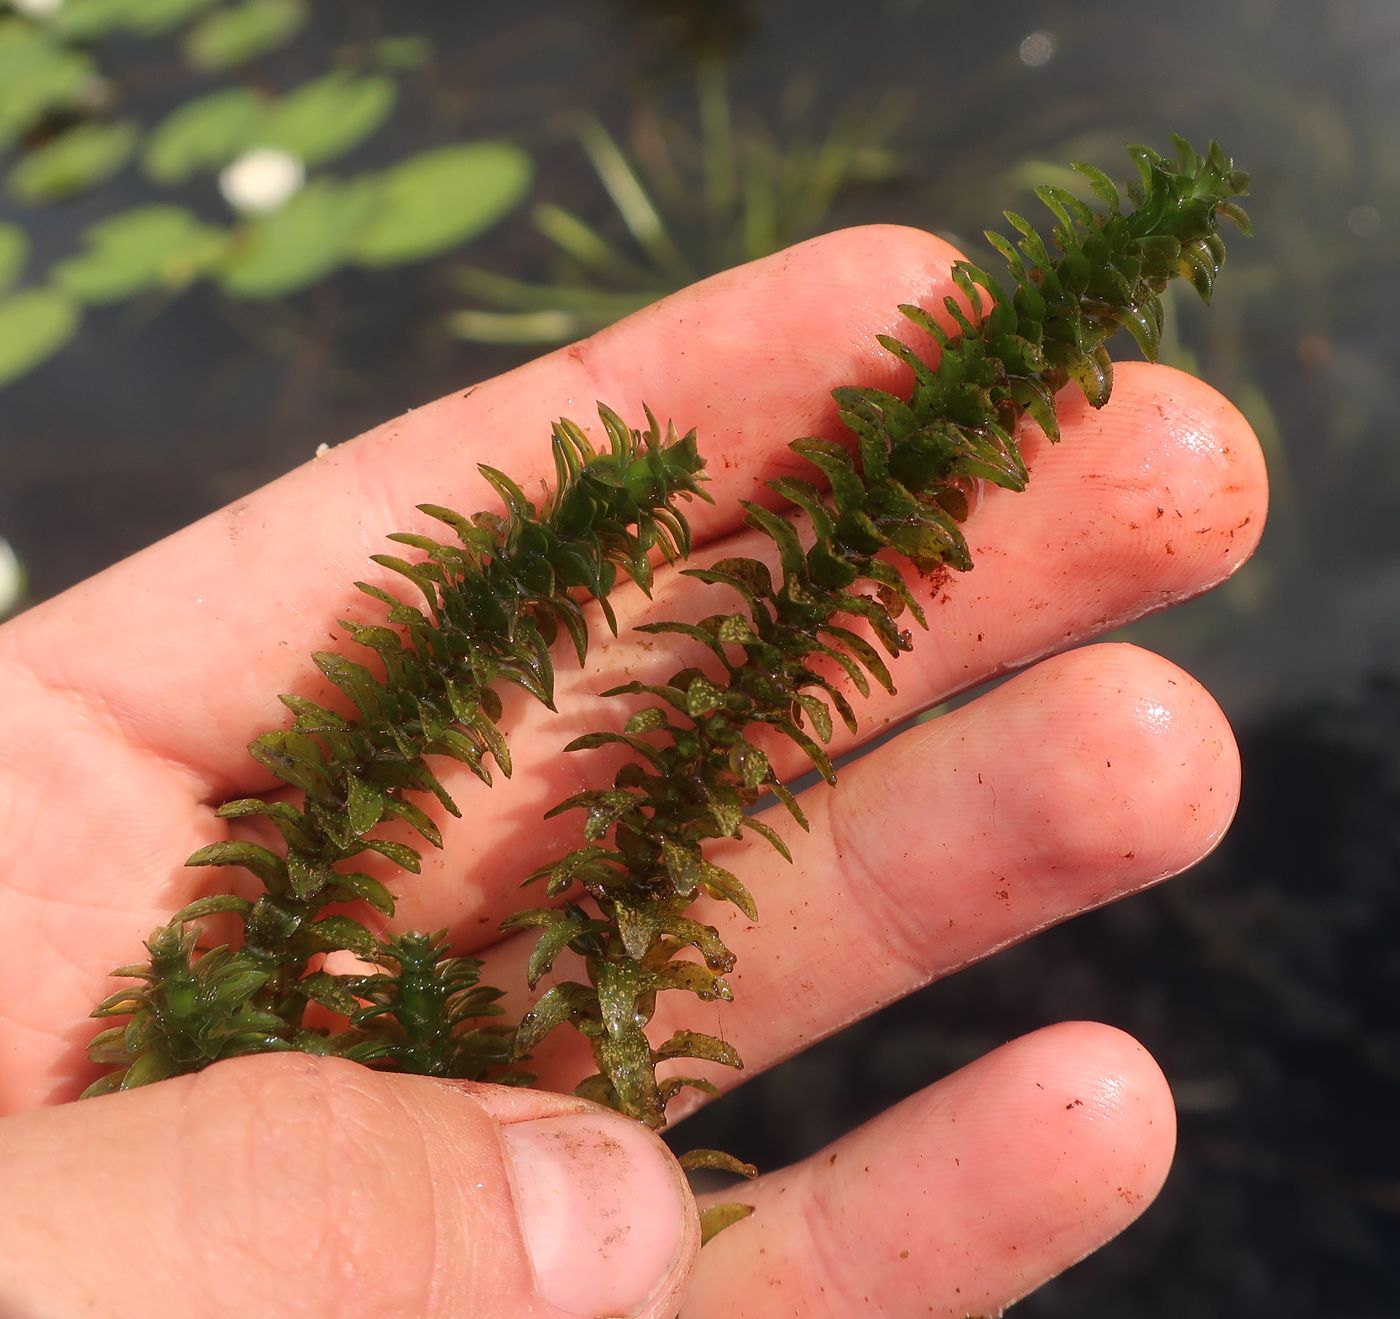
(231, 231)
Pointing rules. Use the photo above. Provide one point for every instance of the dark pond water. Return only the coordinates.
(1266, 982)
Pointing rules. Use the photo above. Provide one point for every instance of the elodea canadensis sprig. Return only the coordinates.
(492, 604)
(883, 508)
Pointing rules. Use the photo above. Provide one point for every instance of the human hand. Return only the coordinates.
(282, 1184)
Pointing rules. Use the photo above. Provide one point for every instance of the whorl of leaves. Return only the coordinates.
(491, 607)
(898, 492)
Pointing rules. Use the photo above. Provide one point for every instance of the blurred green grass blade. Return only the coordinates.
(578, 239)
(630, 197)
(717, 136)
(520, 295)
(528, 327)
(34, 325)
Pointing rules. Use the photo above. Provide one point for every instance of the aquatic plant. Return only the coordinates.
(894, 497)
(495, 602)
(687, 204)
(884, 511)
(72, 118)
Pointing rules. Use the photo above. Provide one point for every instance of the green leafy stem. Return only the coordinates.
(891, 499)
(493, 605)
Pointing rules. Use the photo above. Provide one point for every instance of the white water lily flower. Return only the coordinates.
(262, 180)
(37, 8)
(11, 578)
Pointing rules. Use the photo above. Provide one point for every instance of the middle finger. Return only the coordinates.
(1092, 775)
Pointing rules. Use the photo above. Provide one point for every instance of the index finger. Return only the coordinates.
(182, 647)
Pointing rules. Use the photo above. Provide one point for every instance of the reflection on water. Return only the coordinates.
(1265, 983)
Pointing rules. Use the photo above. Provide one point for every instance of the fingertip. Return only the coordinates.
(967, 1195)
(1177, 471)
(1099, 1128)
(1147, 766)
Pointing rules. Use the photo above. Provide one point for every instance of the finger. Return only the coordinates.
(283, 1185)
(960, 1200)
(182, 648)
(1092, 775)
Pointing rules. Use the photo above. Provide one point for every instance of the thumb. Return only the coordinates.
(287, 1185)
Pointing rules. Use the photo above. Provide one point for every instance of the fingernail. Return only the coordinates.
(603, 1209)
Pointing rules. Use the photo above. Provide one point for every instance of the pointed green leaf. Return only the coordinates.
(267, 866)
(719, 1161)
(618, 985)
(569, 1001)
(400, 854)
(294, 757)
(765, 830)
(716, 1218)
(406, 810)
(702, 697)
(216, 905)
(727, 886)
(682, 864)
(693, 1044)
(356, 886)
(556, 936)
(638, 928)
(328, 991)
(341, 932)
(364, 802)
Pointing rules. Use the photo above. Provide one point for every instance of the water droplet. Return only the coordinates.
(1037, 49)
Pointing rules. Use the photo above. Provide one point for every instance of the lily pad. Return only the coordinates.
(147, 248)
(205, 133)
(86, 20)
(34, 324)
(37, 75)
(324, 119)
(81, 158)
(234, 36)
(441, 198)
(291, 249)
(14, 250)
